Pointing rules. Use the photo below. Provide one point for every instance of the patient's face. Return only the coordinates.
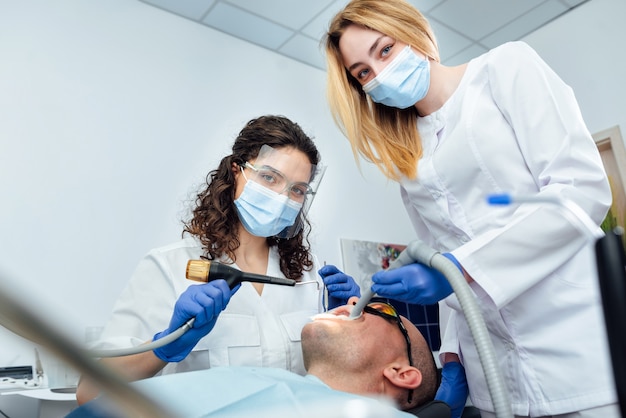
(332, 337)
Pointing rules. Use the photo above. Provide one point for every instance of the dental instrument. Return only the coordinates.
(206, 271)
(574, 212)
(200, 271)
(325, 297)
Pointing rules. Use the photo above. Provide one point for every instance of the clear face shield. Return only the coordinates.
(288, 183)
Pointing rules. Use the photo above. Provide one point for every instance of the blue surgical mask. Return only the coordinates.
(403, 82)
(263, 212)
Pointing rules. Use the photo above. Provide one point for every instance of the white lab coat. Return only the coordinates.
(513, 126)
(253, 330)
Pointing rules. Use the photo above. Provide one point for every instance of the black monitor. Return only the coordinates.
(612, 277)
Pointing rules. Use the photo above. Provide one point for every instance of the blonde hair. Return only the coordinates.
(384, 135)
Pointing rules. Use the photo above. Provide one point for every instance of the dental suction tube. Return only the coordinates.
(365, 298)
(422, 253)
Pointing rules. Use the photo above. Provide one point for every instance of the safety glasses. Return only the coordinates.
(275, 180)
(388, 312)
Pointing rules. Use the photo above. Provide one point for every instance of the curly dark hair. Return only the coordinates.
(215, 221)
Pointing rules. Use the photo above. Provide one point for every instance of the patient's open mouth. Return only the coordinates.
(342, 313)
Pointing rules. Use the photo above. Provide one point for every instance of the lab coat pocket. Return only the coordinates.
(294, 321)
(234, 341)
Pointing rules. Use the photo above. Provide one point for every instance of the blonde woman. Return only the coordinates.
(450, 136)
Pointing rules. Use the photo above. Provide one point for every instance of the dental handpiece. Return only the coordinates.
(206, 271)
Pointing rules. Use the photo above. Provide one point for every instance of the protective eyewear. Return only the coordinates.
(274, 180)
(388, 312)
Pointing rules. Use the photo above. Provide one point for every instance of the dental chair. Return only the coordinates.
(440, 409)
(433, 409)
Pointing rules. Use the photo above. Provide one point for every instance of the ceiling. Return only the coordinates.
(294, 28)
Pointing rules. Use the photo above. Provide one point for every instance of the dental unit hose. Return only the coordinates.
(200, 271)
(419, 252)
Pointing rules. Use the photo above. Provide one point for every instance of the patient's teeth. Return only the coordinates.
(329, 316)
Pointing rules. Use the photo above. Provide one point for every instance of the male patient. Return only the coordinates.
(378, 362)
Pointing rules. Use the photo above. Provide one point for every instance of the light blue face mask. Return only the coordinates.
(263, 212)
(403, 82)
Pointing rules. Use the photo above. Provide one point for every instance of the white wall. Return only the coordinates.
(586, 48)
(111, 112)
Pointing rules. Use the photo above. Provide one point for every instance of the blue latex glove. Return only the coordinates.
(341, 287)
(453, 389)
(413, 283)
(204, 302)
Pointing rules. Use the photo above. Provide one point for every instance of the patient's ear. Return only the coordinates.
(403, 376)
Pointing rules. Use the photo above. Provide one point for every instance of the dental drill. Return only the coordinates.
(199, 271)
(206, 271)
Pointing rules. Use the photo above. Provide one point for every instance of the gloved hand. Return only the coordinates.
(203, 302)
(413, 283)
(453, 389)
(341, 287)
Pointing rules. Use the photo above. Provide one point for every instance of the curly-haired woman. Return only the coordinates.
(251, 215)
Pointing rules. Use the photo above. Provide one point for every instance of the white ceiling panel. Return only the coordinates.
(518, 28)
(294, 28)
(247, 26)
(193, 9)
(319, 25)
(293, 14)
(478, 18)
(572, 3)
(304, 49)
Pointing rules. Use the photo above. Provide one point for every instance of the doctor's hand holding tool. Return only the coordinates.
(199, 306)
(451, 136)
(249, 215)
(341, 287)
(200, 271)
(413, 283)
(204, 303)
